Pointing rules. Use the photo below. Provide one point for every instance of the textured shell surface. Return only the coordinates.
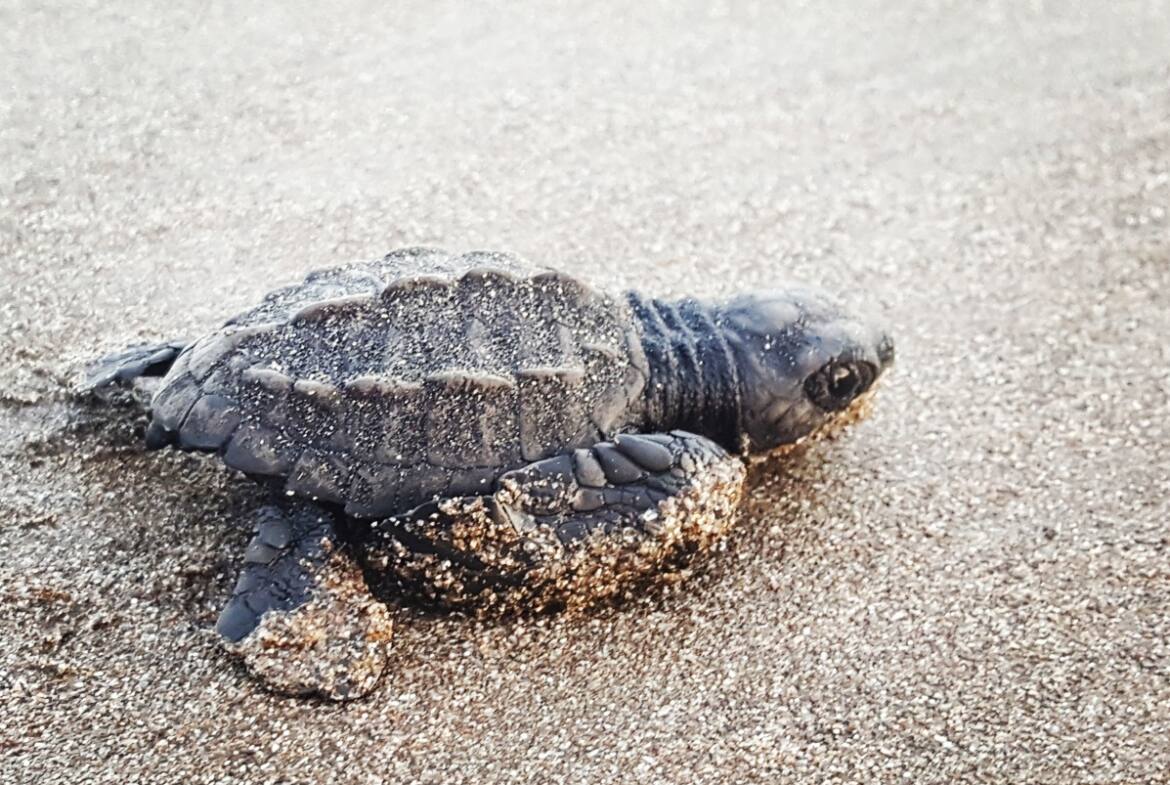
(383, 384)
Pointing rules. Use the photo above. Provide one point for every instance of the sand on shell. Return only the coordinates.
(972, 585)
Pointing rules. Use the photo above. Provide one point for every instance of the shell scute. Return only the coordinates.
(319, 474)
(254, 449)
(471, 419)
(174, 400)
(210, 423)
(337, 308)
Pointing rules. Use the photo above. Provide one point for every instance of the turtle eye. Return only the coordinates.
(837, 383)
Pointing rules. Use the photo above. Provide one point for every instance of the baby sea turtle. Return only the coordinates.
(474, 431)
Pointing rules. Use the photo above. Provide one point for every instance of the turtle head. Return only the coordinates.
(803, 361)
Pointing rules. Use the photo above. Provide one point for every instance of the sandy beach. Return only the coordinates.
(973, 585)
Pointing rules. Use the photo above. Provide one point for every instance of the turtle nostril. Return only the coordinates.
(885, 351)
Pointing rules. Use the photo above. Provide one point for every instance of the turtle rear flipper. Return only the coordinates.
(301, 616)
(129, 364)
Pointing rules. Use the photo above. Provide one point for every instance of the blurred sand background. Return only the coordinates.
(971, 586)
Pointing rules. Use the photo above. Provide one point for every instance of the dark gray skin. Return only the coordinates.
(477, 432)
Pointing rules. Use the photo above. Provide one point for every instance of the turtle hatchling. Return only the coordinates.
(473, 431)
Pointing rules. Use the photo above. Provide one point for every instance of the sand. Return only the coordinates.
(971, 586)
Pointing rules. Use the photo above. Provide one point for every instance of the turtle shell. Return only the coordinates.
(384, 384)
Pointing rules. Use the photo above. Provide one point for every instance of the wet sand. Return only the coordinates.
(972, 585)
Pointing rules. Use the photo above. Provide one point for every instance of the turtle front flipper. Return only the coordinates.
(301, 616)
(570, 530)
(151, 359)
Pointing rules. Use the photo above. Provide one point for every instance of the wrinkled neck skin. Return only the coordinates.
(694, 383)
